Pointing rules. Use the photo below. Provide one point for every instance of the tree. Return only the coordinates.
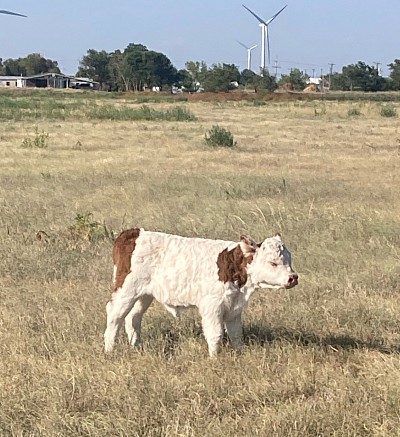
(13, 67)
(185, 80)
(36, 64)
(296, 77)
(340, 82)
(198, 71)
(160, 71)
(137, 67)
(363, 77)
(30, 65)
(265, 83)
(117, 75)
(248, 77)
(220, 78)
(134, 68)
(395, 73)
(96, 66)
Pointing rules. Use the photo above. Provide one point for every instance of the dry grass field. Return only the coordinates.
(321, 359)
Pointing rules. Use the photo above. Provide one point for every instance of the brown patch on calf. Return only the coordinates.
(232, 266)
(122, 253)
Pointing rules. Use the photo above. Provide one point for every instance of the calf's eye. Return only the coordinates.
(273, 264)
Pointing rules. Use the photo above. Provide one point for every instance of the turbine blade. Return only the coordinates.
(251, 48)
(243, 45)
(269, 53)
(11, 13)
(258, 18)
(274, 16)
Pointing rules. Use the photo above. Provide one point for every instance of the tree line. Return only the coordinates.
(137, 68)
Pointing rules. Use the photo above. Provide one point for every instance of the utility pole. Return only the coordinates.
(313, 73)
(276, 66)
(330, 73)
(322, 81)
(377, 66)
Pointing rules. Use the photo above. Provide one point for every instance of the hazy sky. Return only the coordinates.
(307, 35)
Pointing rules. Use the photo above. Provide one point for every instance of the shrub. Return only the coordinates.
(219, 137)
(40, 140)
(259, 102)
(319, 109)
(388, 111)
(85, 228)
(353, 112)
(179, 113)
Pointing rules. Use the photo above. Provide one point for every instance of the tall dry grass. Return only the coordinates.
(321, 359)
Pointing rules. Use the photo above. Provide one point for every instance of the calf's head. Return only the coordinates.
(270, 266)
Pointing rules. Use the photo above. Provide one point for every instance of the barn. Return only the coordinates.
(48, 80)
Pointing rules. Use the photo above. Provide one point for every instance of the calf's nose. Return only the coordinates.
(293, 280)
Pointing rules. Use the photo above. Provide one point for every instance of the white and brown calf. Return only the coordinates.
(216, 276)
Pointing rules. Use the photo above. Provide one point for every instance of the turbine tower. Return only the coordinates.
(249, 49)
(11, 13)
(264, 34)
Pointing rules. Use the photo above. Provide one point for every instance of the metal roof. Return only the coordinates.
(46, 75)
(10, 77)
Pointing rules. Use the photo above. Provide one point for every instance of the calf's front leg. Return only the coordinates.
(133, 320)
(117, 309)
(234, 329)
(212, 328)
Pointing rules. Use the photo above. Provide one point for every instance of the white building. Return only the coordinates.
(47, 80)
(12, 82)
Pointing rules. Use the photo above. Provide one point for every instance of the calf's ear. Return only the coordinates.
(248, 245)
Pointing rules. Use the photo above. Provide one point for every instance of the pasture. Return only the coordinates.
(321, 359)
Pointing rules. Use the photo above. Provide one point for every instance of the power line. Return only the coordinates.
(300, 63)
(276, 66)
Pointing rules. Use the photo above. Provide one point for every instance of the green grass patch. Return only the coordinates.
(388, 111)
(143, 113)
(59, 107)
(354, 112)
(160, 99)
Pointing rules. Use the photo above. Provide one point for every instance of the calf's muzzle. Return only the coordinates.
(292, 281)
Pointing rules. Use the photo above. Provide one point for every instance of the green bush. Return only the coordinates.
(258, 102)
(388, 111)
(85, 228)
(353, 112)
(219, 137)
(40, 140)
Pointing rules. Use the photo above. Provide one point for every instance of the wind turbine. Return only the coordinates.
(249, 49)
(264, 34)
(11, 13)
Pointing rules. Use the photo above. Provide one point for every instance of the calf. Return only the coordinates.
(216, 276)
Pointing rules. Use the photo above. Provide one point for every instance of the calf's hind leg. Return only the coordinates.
(133, 320)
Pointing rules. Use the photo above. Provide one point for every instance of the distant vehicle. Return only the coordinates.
(81, 85)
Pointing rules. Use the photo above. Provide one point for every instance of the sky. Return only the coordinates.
(308, 35)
